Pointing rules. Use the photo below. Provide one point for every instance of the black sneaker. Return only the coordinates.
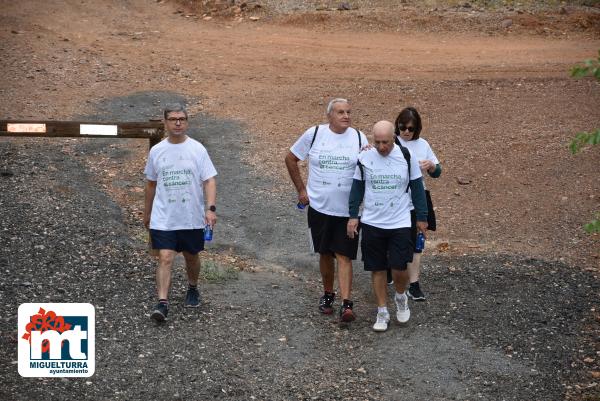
(160, 313)
(326, 303)
(192, 298)
(390, 279)
(415, 293)
(346, 313)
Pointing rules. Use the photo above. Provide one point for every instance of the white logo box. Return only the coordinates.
(40, 349)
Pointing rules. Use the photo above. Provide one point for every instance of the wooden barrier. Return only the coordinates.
(152, 130)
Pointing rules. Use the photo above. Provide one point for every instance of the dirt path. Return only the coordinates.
(499, 111)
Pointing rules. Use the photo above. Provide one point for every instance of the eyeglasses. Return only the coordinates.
(177, 120)
(402, 128)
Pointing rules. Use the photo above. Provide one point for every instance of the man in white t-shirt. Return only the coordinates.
(332, 150)
(180, 180)
(381, 184)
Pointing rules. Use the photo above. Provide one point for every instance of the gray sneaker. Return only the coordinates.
(160, 313)
(192, 298)
(402, 310)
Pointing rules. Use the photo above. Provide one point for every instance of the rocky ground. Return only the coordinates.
(494, 327)
(513, 306)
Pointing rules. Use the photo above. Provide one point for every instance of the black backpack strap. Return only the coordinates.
(359, 140)
(314, 135)
(362, 170)
(406, 154)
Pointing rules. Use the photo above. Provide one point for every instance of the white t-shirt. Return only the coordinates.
(386, 203)
(420, 150)
(179, 171)
(331, 163)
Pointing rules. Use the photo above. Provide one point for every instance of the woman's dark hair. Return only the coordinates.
(407, 115)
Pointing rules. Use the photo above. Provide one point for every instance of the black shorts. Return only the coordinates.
(384, 249)
(190, 241)
(329, 236)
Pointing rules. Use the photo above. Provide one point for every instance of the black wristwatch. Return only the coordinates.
(212, 208)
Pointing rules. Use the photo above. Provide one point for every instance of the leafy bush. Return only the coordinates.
(588, 68)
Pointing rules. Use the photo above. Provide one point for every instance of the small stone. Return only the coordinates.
(505, 24)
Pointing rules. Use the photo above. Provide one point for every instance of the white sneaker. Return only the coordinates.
(382, 321)
(402, 310)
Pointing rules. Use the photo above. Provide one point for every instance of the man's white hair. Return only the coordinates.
(334, 101)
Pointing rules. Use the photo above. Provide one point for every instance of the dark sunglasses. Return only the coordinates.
(402, 127)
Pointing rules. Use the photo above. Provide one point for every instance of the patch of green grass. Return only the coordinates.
(214, 272)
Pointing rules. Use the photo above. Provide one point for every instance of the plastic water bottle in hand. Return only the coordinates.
(208, 233)
(420, 245)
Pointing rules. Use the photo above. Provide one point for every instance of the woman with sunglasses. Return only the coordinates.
(408, 130)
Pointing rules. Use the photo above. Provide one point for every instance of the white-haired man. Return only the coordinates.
(332, 150)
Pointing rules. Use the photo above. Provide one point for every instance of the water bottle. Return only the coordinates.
(208, 233)
(300, 206)
(420, 245)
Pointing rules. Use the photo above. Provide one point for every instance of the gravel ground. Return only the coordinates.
(495, 327)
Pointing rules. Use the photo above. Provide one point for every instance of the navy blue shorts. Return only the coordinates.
(190, 241)
(384, 249)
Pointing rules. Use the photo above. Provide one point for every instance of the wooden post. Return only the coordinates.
(153, 130)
